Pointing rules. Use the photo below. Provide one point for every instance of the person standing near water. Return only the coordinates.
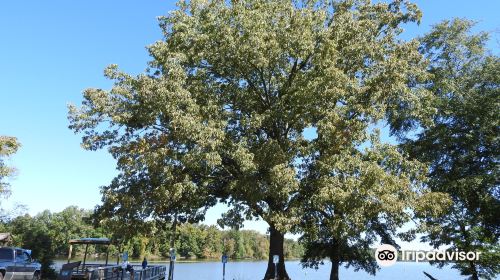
(144, 263)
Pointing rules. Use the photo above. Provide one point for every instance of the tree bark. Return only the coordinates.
(276, 242)
(334, 274)
(474, 275)
(335, 259)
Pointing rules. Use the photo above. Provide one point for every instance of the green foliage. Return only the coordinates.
(34, 233)
(188, 240)
(213, 243)
(293, 250)
(70, 223)
(359, 199)
(222, 111)
(47, 235)
(462, 147)
(207, 242)
(8, 146)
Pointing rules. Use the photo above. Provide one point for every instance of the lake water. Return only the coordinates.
(254, 270)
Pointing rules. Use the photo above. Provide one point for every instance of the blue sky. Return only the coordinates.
(51, 50)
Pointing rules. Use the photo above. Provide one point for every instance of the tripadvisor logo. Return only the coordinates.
(387, 255)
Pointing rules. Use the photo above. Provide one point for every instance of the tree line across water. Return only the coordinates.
(47, 235)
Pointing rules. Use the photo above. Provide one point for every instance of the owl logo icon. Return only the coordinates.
(386, 255)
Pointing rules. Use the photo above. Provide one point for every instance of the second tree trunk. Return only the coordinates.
(276, 241)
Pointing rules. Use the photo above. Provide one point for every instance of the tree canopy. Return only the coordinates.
(8, 146)
(222, 110)
(354, 201)
(462, 146)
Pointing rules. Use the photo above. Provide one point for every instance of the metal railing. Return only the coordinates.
(153, 272)
(116, 272)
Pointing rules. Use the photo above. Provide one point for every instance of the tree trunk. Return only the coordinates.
(474, 275)
(334, 274)
(467, 244)
(335, 259)
(276, 241)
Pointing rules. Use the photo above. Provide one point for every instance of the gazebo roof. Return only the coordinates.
(103, 241)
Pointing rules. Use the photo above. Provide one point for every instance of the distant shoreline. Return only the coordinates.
(161, 260)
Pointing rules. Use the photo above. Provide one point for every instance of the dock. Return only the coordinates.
(86, 271)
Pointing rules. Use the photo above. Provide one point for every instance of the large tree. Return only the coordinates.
(222, 111)
(356, 197)
(462, 147)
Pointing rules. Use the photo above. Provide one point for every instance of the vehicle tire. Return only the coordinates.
(36, 276)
